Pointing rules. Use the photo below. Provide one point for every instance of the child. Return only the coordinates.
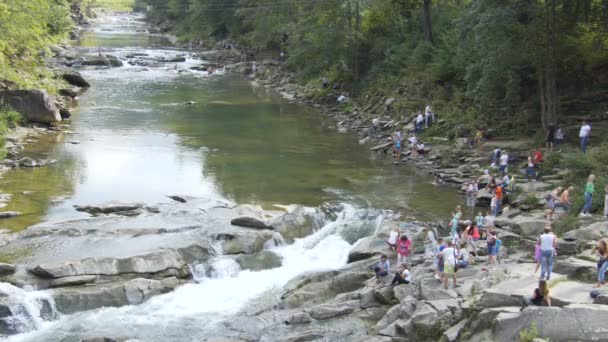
(491, 242)
(537, 255)
(479, 220)
(463, 256)
(404, 249)
(393, 238)
(439, 260)
(497, 248)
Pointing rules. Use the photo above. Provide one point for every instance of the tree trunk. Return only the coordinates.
(426, 21)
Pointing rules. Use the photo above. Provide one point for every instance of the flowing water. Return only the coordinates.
(142, 133)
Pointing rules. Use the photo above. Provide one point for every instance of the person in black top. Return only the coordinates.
(550, 137)
(540, 297)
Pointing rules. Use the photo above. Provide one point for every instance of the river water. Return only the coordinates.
(141, 134)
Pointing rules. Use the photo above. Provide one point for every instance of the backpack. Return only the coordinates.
(596, 293)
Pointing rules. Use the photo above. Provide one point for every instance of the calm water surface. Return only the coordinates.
(137, 139)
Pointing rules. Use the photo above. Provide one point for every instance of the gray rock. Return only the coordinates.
(524, 225)
(249, 222)
(297, 223)
(576, 322)
(299, 318)
(453, 333)
(72, 281)
(576, 268)
(164, 263)
(385, 295)
(391, 316)
(109, 208)
(243, 242)
(35, 105)
(367, 248)
(178, 198)
(323, 312)
(592, 232)
(9, 214)
(6, 269)
(107, 60)
(69, 300)
(494, 299)
(406, 290)
(262, 260)
(74, 78)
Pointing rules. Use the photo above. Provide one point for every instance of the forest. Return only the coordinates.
(511, 64)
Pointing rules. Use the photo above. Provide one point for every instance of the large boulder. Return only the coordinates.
(249, 222)
(35, 105)
(246, 242)
(594, 231)
(367, 248)
(576, 322)
(164, 263)
(297, 223)
(108, 208)
(74, 299)
(262, 260)
(75, 78)
(528, 226)
(327, 311)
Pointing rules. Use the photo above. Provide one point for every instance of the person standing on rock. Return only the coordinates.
(404, 249)
(564, 199)
(584, 135)
(393, 238)
(530, 169)
(449, 264)
(504, 163)
(397, 147)
(428, 113)
(602, 264)
(496, 157)
(548, 243)
(559, 136)
(430, 243)
(491, 243)
(471, 195)
(419, 122)
(472, 236)
(498, 195)
(479, 140)
(589, 190)
(550, 137)
(382, 268)
(439, 260)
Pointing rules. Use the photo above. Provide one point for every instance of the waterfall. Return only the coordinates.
(29, 310)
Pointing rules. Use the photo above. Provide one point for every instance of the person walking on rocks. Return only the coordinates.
(589, 190)
(584, 135)
(428, 116)
(602, 264)
(498, 195)
(439, 260)
(551, 199)
(449, 264)
(471, 236)
(548, 243)
(404, 249)
(530, 169)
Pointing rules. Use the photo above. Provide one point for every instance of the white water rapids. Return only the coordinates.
(195, 309)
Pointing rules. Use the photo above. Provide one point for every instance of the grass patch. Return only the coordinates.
(528, 335)
(8, 119)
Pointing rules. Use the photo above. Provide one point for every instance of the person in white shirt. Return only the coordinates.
(584, 135)
(419, 122)
(342, 98)
(420, 148)
(504, 163)
(463, 256)
(393, 238)
(413, 142)
(428, 113)
(403, 276)
(547, 249)
(559, 136)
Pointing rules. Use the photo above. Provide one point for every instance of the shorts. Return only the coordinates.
(502, 168)
(492, 251)
(450, 269)
(440, 267)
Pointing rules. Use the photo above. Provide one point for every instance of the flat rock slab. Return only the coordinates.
(249, 222)
(571, 292)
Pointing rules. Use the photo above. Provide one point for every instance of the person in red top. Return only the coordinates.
(498, 194)
(404, 249)
(471, 235)
(538, 161)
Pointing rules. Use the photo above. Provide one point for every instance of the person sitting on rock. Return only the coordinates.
(403, 276)
(463, 256)
(540, 297)
(382, 268)
(602, 264)
(420, 148)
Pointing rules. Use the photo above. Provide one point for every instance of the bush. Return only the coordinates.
(566, 223)
(529, 335)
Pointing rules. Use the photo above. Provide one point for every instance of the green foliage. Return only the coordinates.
(566, 223)
(531, 201)
(528, 335)
(28, 27)
(8, 119)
